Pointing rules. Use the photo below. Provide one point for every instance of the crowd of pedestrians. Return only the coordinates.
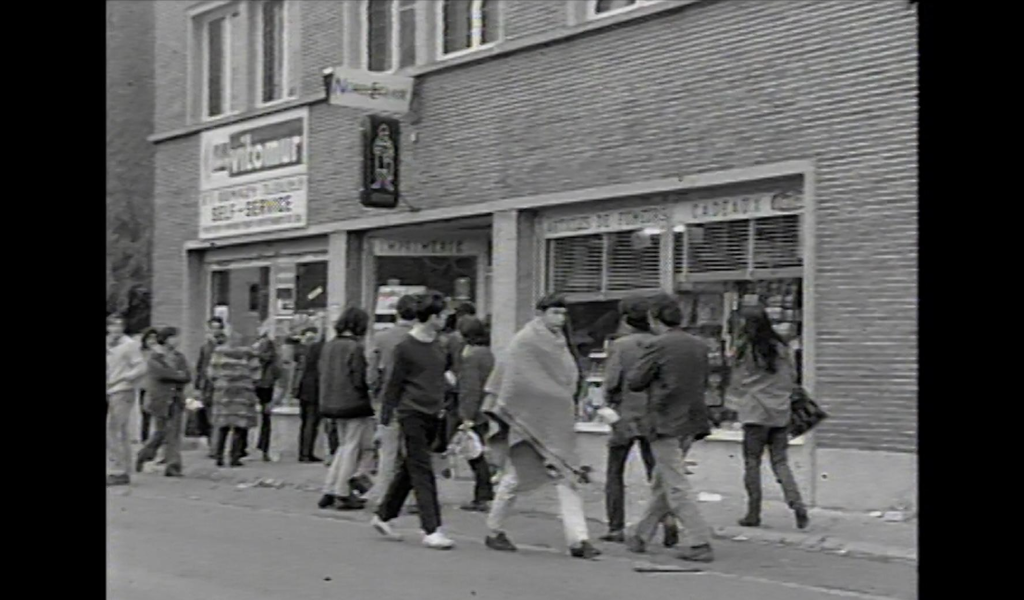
(390, 405)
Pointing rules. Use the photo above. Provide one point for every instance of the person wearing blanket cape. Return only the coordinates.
(530, 395)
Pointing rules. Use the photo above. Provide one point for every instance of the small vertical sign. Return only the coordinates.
(380, 162)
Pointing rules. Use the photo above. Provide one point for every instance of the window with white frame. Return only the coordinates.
(600, 8)
(468, 24)
(216, 57)
(272, 46)
(390, 34)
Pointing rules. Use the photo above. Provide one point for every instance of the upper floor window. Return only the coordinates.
(600, 8)
(390, 34)
(272, 50)
(468, 24)
(216, 36)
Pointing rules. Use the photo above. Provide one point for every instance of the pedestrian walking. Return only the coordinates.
(345, 398)
(307, 390)
(214, 337)
(125, 369)
(381, 357)
(634, 427)
(270, 372)
(414, 396)
(166, 377)
(475, 365)
(453, 342)
(674, 368)
(763, 378)
(147, 340)
(534, 388)
(234, 371)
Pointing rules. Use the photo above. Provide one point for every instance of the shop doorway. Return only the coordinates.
(241, 296)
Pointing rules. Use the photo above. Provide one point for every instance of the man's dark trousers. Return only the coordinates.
(415, 472)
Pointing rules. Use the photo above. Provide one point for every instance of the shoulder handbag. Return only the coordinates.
(805, 414)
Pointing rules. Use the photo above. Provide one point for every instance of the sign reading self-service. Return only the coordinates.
(253, 175)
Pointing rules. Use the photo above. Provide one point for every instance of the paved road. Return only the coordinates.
(173, 539)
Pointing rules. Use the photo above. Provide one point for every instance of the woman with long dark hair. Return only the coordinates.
(761, 383)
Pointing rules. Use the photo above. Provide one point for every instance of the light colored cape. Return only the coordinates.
(533, 387)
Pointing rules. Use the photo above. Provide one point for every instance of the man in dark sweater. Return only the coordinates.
(674, 368)
(414, 396)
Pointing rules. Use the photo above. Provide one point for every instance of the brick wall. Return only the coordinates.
(717, 85)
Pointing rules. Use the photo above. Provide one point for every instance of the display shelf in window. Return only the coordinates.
(593, 396)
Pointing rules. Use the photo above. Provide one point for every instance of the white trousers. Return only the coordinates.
(346, 461)
(569, 501)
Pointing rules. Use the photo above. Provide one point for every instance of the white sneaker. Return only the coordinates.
(438, 541)
(384, 528)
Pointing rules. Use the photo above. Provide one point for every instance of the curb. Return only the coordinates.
(816, 542)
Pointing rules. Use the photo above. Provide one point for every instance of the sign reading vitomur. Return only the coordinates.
(253, 176)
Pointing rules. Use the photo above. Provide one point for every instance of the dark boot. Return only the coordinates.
(361, 484)
(499, 542)
(617, 536)
(350, 503)
(584, 550)
(326, 501)
(697, 554)
(753, 518)
(802, 519)
(671, 535)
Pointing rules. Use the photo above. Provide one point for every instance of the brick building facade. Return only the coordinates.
(584, 121)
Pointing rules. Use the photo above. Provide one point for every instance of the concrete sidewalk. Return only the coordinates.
(841, 533)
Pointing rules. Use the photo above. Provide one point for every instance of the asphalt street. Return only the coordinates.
(172, 539)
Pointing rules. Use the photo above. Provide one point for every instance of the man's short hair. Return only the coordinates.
(666, 309)
(429, 304)
(466, 309)
(551, 301)
(354, 320)
(474, 331)
(165, 333)
(634, 310)
(406, 307)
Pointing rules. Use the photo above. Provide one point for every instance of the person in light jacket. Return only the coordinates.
(125, 370)
(475, 365)
(345, 398)
(762, 380)
(166, 378)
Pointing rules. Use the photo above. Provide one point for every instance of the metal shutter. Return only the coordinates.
(577, 263)
(777, 242)
(720, 247)
(631, 268)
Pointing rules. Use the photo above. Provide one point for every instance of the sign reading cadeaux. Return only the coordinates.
(371, 91)
(253, 175)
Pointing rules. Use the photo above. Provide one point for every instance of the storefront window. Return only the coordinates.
(311, 286)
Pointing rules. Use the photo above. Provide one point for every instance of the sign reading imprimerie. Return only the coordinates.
(253, 176)
(371, 91)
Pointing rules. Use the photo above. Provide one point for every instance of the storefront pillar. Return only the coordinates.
(345, 275)
(513, 275)
(196, 295)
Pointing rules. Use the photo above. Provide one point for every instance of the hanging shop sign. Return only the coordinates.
(371, 91)
(739, 206)
(253, 175)
(439, 247)
(559, 224)
(380, 162)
